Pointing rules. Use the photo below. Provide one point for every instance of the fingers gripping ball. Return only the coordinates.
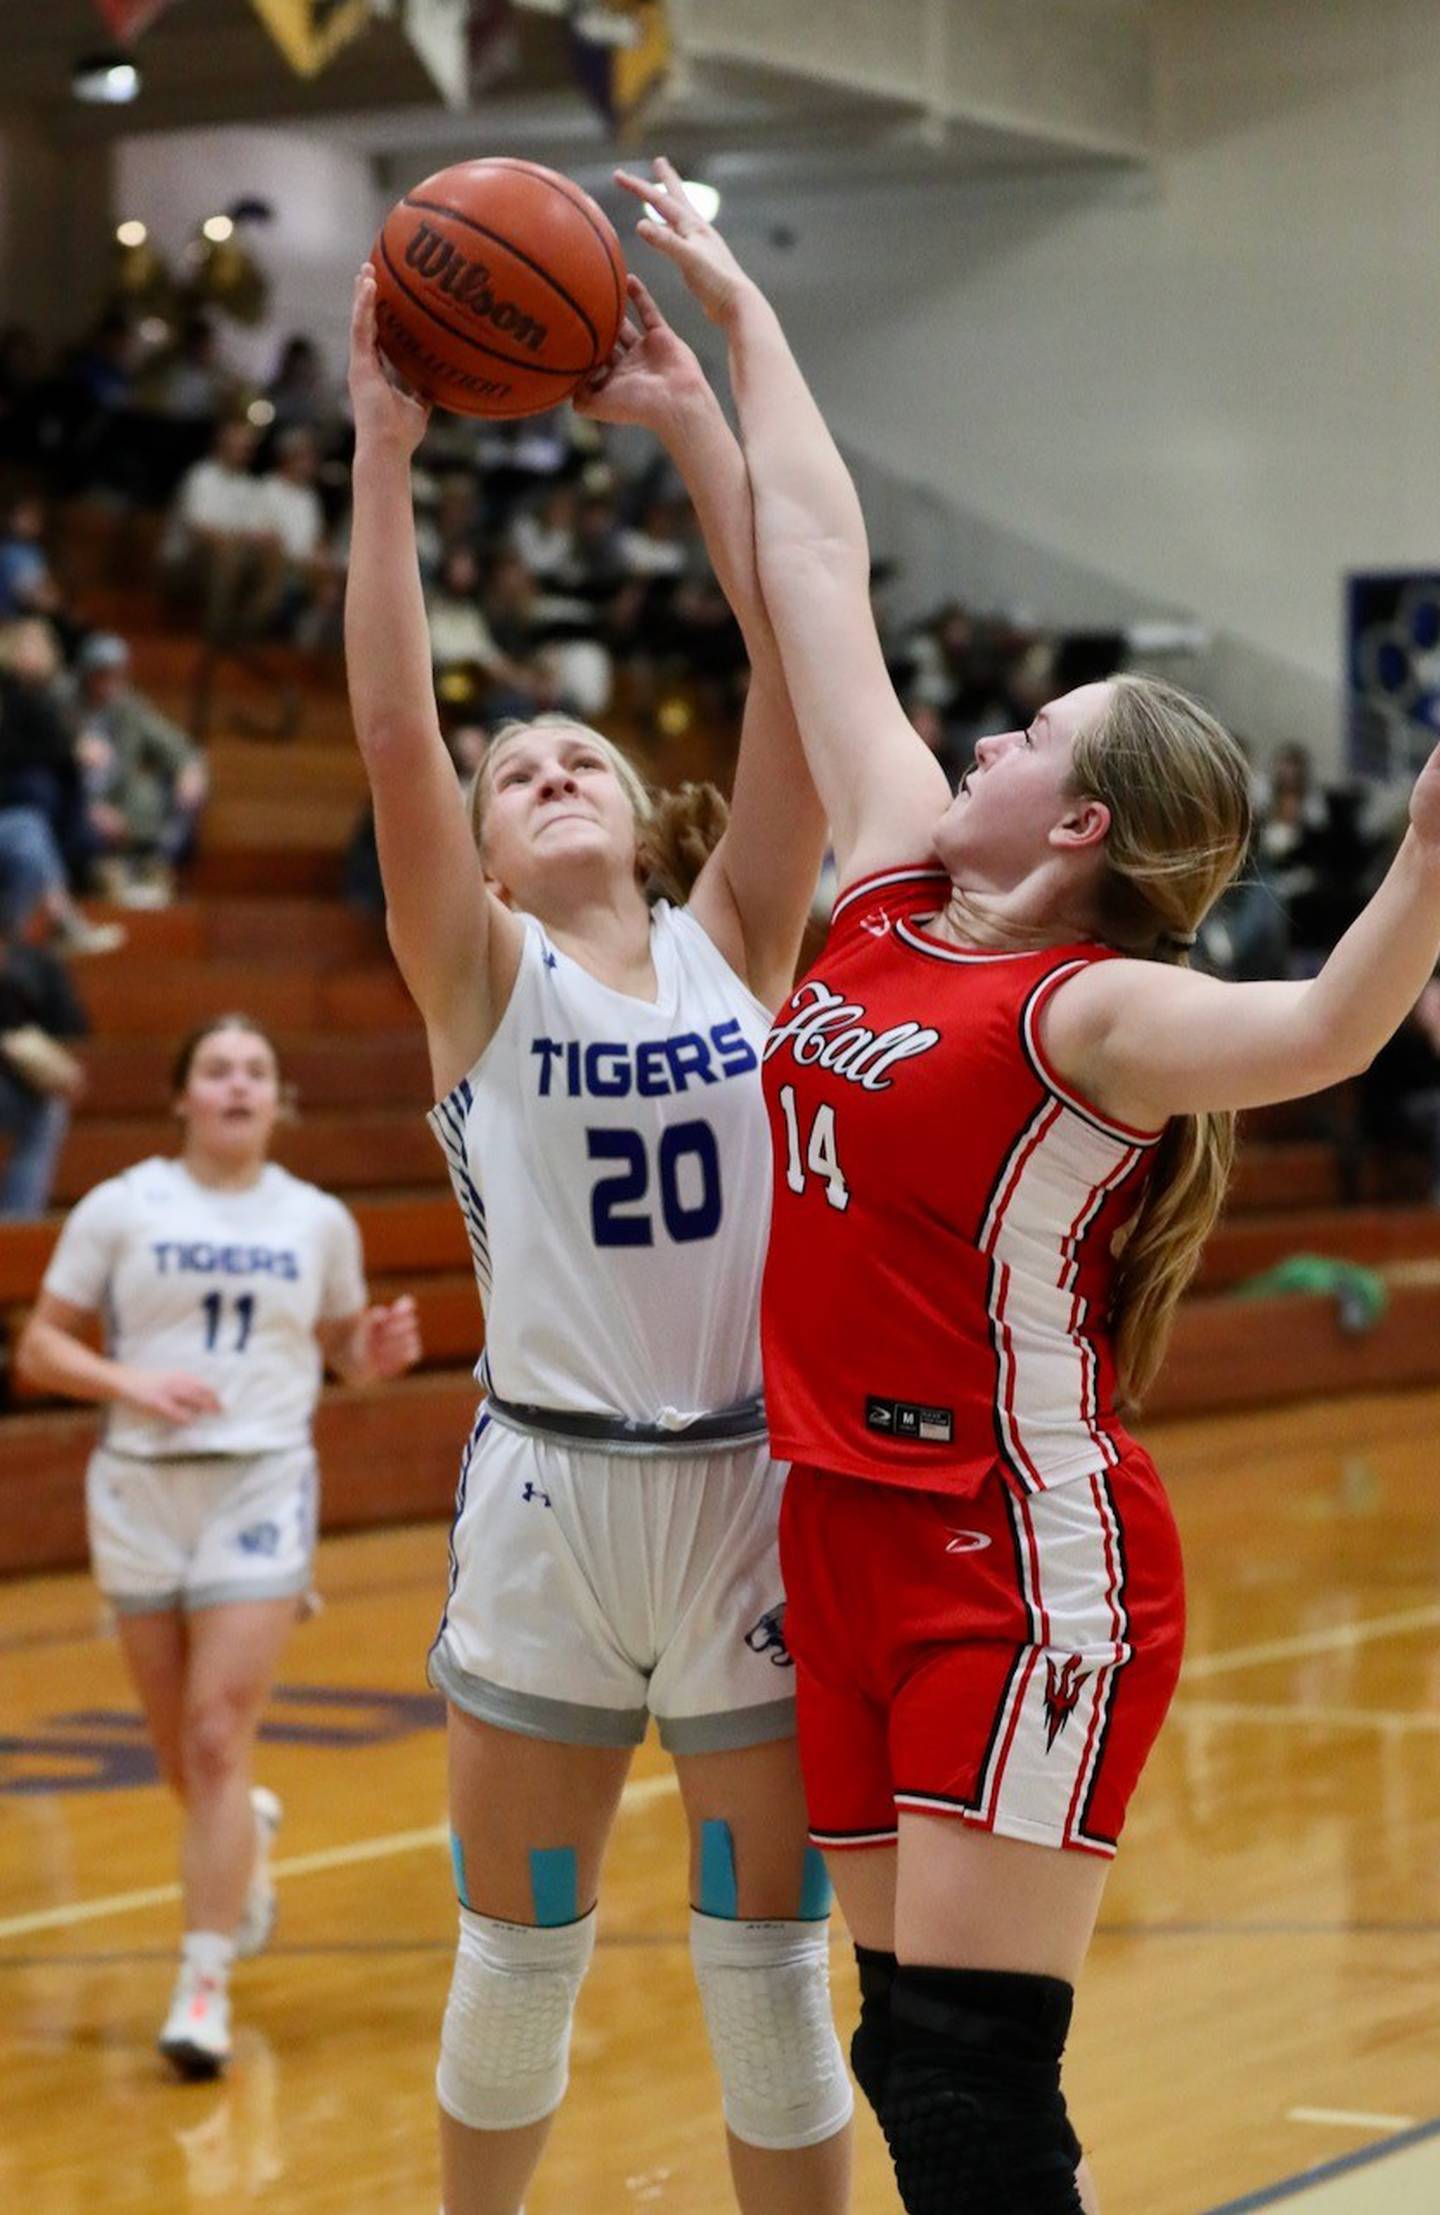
(500, 285)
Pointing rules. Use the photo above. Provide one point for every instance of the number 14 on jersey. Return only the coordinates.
(819, 1156)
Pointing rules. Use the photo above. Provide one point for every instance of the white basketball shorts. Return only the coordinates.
(589, 1591)
(202, 1532)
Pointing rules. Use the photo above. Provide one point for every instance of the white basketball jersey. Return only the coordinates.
(226, 1286)
(612, 1162)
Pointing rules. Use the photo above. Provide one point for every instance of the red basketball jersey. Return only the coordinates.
(941, 1262)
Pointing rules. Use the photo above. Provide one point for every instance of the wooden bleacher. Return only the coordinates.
(263, 930)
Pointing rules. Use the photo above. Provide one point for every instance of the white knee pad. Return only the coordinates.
(765, 1990)
(505, 2043)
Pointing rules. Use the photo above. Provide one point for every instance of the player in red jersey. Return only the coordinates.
(1002, 1109)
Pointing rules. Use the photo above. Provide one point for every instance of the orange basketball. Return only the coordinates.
(500, 286)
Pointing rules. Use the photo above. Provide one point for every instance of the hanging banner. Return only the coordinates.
(492, 45)
(126, 19)
(310, 33)
(622, 53)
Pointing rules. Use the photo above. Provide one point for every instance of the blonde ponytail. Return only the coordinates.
(1165, 1241)
(684, 829)
(1178, 793)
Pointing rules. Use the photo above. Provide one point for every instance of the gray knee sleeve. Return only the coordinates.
(765, 1990)
(505, 2043)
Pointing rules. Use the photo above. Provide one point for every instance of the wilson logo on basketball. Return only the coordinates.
(1062, 1692)
(469, 284)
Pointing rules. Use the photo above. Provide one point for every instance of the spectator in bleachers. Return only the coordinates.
(39, 1076)
(146, 780)
(300, 392)
(597, 565)
(1246, 935)
(544, 535)
(1400, 1093)
(288, 506)
(194, 385)
(33, 883)
(498, 657)
(659, 544)
(27, 582)
(550, 638)
(102, 367)
(1316, 851)
(39, 767)
(222, 552)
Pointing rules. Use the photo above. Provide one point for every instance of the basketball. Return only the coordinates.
(501, 285)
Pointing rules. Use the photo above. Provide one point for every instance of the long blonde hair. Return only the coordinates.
(675, 832)
(1178, 792)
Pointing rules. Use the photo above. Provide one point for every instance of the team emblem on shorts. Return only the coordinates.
(768, 1637)
(1062, 1692)
(260, 1538)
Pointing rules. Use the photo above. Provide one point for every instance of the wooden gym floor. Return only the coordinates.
(1259, 2023)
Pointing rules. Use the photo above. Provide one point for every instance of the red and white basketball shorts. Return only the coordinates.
(1006, 1660)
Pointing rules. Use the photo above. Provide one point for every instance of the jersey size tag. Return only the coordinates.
(908, 1419)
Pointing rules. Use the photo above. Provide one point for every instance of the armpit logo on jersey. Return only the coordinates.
(260, 1538)
(824, 1027)
(910, 1420)
(768, 1637)
(1062, 1692)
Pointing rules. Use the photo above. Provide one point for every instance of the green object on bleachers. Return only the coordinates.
(1360, 1294)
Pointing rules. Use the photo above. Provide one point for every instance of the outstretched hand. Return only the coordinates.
(383, 409)
(674, 226)
(650, 369)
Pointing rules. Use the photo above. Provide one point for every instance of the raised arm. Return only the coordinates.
(458, 948)
(1148, 1041)
(753, 895)
(880, 786)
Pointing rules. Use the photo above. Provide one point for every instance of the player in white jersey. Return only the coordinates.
(614, 1552)
(223, 1285)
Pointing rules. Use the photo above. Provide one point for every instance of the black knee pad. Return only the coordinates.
(871, 2046)
(972, 2108)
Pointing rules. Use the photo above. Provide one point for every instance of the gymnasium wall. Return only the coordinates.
(1217, 388)
(327, 210)
(55, 238)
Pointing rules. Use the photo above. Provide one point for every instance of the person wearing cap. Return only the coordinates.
(146, 781)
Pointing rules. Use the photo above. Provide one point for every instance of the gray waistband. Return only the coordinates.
(727, 1428)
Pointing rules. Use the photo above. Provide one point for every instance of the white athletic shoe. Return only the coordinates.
(196, 2035)
(257, 1918)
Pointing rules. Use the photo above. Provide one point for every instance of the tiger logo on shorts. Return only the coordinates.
(768, 1637)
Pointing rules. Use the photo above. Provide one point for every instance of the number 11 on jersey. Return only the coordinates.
(820, 1154)
(213, 1308)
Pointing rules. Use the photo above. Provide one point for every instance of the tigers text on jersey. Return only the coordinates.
(612, 1164)
(226, 1286)
(940, 1262)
